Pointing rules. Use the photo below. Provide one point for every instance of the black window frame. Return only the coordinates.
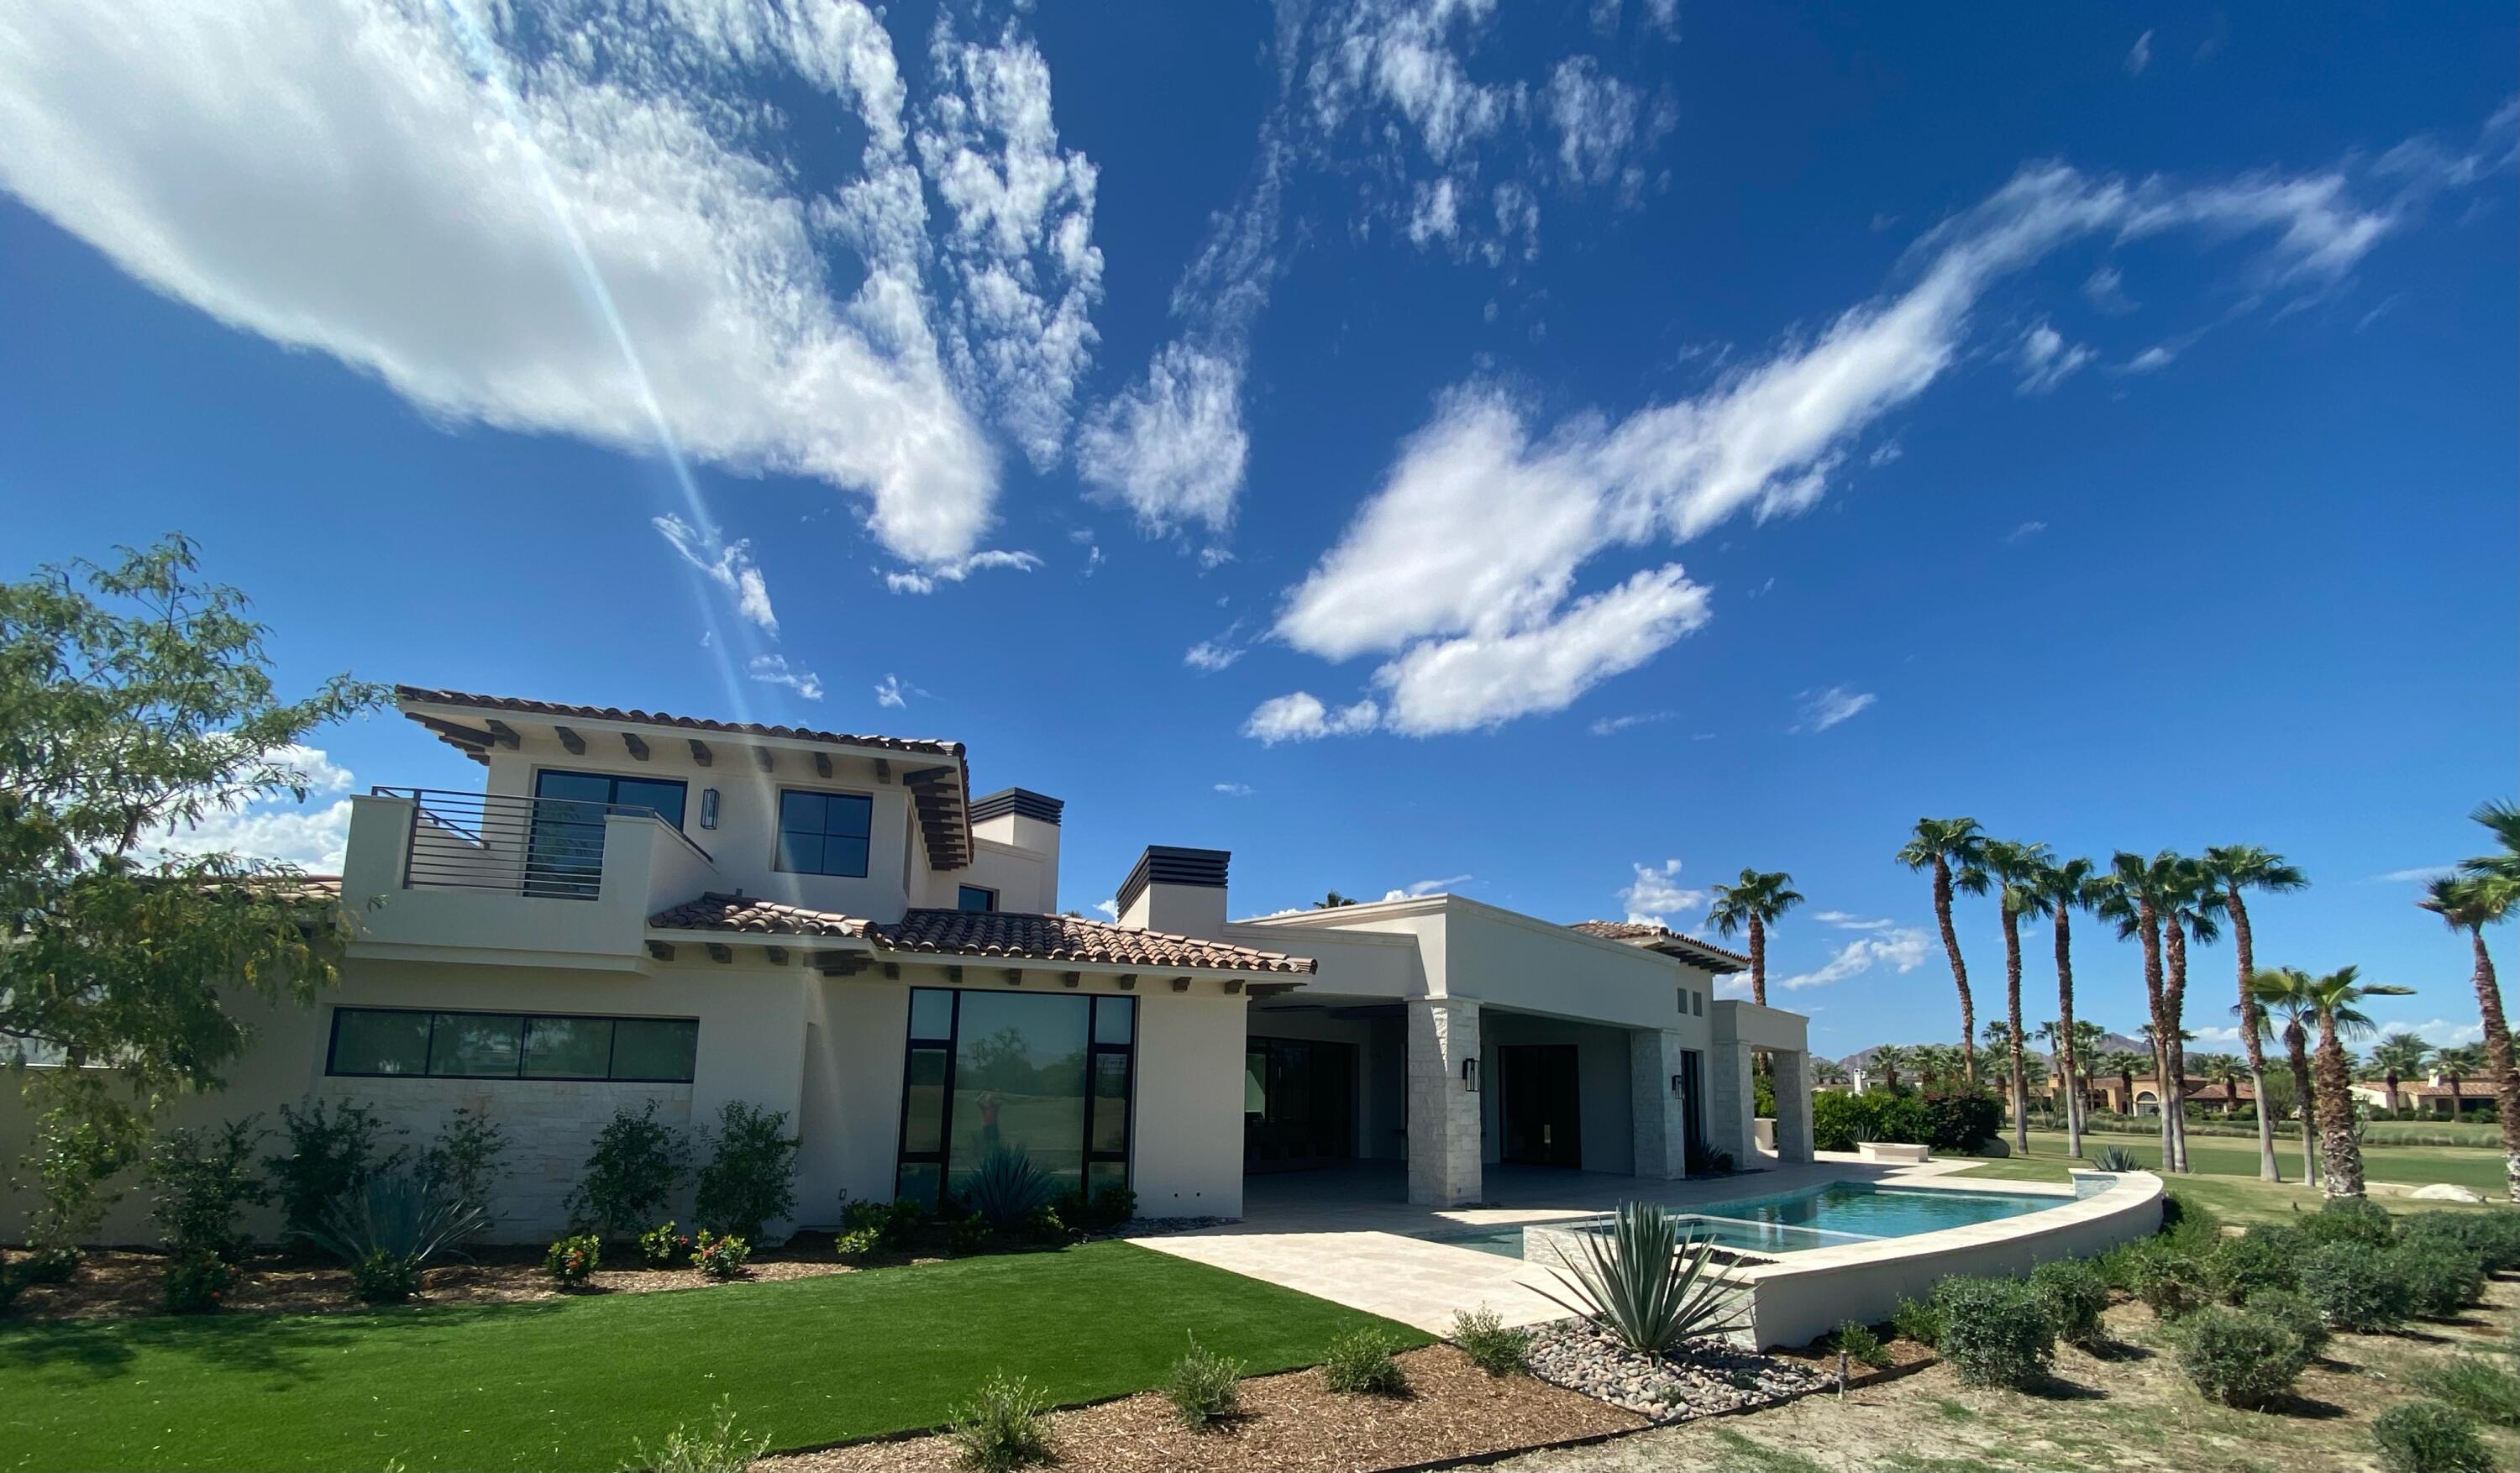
(991, 909)
(951, 1043)
(524, 1046)
(778, 829)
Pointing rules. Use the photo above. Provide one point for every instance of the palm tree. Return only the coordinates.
(2135, 894)
(1756, 900)
(2503, 820)
(2238, 867)
(2123, 1063)
(2193, 903)
(2470, 903)
(2284, 992)
(2334, 996)
(1332, 901)
(2017, 872)
(2400, 1055)
(2462, 1062)
(1951, 849)
(2061, 887)
(1887, 1058)
(2223, 1069)
(1827, 1071)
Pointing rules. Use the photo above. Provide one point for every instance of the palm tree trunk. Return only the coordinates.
(2149, 930)
(2497, 1054)
(1960, 968)
(2337, 1148)
(2174, 1002)
(2012, 1008)
(2065, 1041)
(2245, 945)
(2295, 1046)
(1758, 963)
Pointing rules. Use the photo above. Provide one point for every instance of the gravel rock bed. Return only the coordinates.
(1701, 1378)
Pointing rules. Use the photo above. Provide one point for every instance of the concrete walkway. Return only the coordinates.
(1348, 1236)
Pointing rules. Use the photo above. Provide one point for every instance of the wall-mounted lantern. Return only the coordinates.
(1675, 1084)
(708, 808)
(1470, 1075)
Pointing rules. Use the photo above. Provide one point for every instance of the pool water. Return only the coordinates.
(1833, 1216)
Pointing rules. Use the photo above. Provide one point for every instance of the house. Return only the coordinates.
(640, 907)
(2109, 1094)
(2437, 1096)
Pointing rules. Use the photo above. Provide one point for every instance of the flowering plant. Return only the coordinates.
(660, 1245)
(198, 1283)
(720, 1257)
(574, 1260)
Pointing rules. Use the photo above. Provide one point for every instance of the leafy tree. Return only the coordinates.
(1953, 850)
(2238, 869)
(135, 701)
(2062, 887)
(2471, 902)
(1756, 901)
(2018, 872)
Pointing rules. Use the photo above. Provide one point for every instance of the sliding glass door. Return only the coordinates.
(1050, 1077)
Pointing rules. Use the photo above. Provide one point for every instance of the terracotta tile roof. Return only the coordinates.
(1069, 938)
(1657, 938)
(714, 912)
(930, 746)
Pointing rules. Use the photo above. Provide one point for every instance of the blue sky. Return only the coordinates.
(1561, 460)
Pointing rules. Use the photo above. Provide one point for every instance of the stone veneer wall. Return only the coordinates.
(551, 1125)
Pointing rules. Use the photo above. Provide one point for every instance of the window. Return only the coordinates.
(976, 898)
(823, 833)
(567, 843)
(1052, 1077)
(1697, 1005)
(389, 1042)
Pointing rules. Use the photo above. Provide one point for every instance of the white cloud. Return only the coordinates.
(1600, 121)
(1214, 654)
(1611, 726)
(728, 565)
(2107, 288)
(1235, 789)
(2139, 55)
(891, 693)
(2046, 359)
(1419, 889)
(2158, 356)
(2025, 531)
(2443, 1033)
(1491, 675)
(1109, 908)
(1172, 447)
(1301, 717)
(2420, 874)
(1848, 922)
(1825, 708)
(2219, 1034)
(1902, 949)
(278, 829)
(957, 569)
(1435, 213)
(773, 670)
(581, 241)
(1657, 895)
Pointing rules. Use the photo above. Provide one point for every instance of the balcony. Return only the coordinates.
(512, 880)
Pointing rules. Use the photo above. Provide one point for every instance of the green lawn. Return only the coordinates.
(2226, 1174)
(573, 1383)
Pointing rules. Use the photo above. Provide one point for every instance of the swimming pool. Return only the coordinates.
(1834, 1215)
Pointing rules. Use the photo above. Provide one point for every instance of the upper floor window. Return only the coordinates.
(663, 798)
(976, 898)
(823, 833)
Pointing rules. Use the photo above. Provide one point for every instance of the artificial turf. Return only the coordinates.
(577, 1383)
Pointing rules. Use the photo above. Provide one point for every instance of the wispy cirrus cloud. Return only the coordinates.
(1656, 897)
(1825, 708)
(955, 571)
(775, 670)
(728, 565)
(1419, 889)
(1901, 948)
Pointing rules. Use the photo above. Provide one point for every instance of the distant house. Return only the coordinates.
(2436, 1096)
(2109, 1094)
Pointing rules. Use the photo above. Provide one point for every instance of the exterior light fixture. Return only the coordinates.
(708, 808)
(1675, 1084)
(1470, 1075)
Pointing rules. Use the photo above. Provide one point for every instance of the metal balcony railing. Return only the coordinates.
(525, 846)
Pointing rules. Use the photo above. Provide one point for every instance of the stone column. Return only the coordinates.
(1729, 1103)
(1790, 1074)
(1659, 1115)
(1443, 1114)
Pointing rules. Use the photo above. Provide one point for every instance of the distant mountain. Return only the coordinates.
(2110, 1042)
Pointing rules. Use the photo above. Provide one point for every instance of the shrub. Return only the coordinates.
(2172, 1281)
(1003, 1427)
(2426, 1437)
(574, 1260)
(2440, 1279)
(1958, 1120)
(720, 1257)
(1100, 1213)
(1899, 1118)
(2239, 1358)
(1839, 1120)
(2353, 1287)
(663, 1247)
(1491, 1345)
(631, 1176)
(203, 1179)
(198, 1282)
(717, 1448)
(1042, 1226)
(2262, 1257)
(2493, 1237)
(2350, 1220)
(966, 1235)
(2295, 1312)
(1359, 1363)
(467, 1159)
(858, 1244)
(332, 1151)
(76, 1153)
(1917, 1319)
(2072, 1294)
(1859, 1344)
(390, 1229)
(2115, 1158)
(1203, 1387)
(1641, 1283)
(888, 1225)
(2476, 1386)
(1007, 1188)
(56, 1265)
(1995, 1332)
(750, 1179)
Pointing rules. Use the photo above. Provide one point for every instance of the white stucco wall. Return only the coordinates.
(1188, 1130)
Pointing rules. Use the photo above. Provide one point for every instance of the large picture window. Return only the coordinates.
(823, 833)
(568, 836)
(392, 1041)
(1052, 1077)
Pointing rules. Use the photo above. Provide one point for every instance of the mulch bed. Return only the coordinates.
(122, 1283)
(1290, 1421)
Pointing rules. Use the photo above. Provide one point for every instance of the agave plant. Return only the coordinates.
(394, 1226)
(2115, 1158)
(1007, 1186)
(1647, 1285)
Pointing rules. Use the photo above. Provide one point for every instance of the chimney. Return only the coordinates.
(1027, 820)
(1177, 890)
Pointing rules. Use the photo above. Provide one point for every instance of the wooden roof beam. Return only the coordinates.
(575, 744)
(701, 752)
(636, 744)
(506, 733)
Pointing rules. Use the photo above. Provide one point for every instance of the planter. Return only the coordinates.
(1892, 1154)
(1764, 1131)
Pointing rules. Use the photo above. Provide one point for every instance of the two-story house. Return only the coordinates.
(637, 906)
